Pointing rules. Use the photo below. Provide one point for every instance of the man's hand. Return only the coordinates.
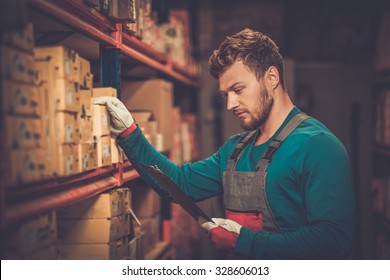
(121, 119)
(223, 233)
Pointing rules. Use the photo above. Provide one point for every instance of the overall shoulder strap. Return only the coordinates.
(275, 143)
(238, 151)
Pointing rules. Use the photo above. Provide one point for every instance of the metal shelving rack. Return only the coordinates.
(22, 203)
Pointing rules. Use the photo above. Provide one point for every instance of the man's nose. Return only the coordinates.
(231, 102)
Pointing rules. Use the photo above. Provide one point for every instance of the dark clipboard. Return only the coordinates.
(181, 198)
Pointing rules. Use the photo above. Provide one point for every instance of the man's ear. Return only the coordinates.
(272, 76)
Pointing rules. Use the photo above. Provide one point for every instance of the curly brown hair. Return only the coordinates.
(256, 50)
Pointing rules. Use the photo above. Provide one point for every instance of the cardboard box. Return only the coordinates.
(103, 145)
(121, 10)
(67, 128)
(23, 132)
(62, 93)
(103, 91)
(64, 62)
(25, 166)
(101, 120)
(86, 77)
(104, 230)
(116, 250)
(151, 228)
(155, 95)
(85, 129)
(116, 151)
(68, 160)
(85, 102)
(87, 157)
(22, 39)
(33, 235)
(146, 202)
(20, 99)
(48, 253)
(104, 205)
(17, 66)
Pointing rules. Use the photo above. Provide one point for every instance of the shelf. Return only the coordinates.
(89, 22)
(37, 198)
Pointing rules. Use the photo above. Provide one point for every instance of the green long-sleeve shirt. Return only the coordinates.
(308, 187)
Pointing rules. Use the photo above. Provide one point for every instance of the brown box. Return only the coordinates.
(67, 128)
(146, 202)
(85, 102)
(64, 63)
(20, 99)
(152, 229)
(47, 253)
(116, 250)
(116, 152)
(23, 132)
(25, 166)
(87, 157)
(17, 66)
(62, 93)
(33, 235)
(86, 77)
(105, 205)
(155, 95)
(104, 230)
(103, 91)
(22, 39)
(85, 129)
(101, 120)
(103, 145)
(68, 160)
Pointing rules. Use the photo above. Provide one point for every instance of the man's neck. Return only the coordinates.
(281, 108)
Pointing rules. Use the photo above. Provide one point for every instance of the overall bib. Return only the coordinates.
(245, 195)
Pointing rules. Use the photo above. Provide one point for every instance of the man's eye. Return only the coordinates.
(238, 90)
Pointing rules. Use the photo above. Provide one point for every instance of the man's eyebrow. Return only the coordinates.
(229, 88)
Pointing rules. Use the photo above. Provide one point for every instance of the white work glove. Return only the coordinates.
(121, 118)
(223, 233)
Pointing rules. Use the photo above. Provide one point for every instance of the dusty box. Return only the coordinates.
(116, 250)
(87, 157)
(64, 63)
(155, 95)
(20, 99)
(26, 166)
(104, 91)
(146, 202)
(121, 10)
(86, 77)
(85, 102)
(89, 231)
(33, 235)
(67, 127)
(116, 152)
(62, 94)
(22, 39)
(85, 129)
(17, 66)
(105, 205)
(23, 132)
(47, 253)
(103, 146)
(151, 228)
(101, 120)
(68, 160)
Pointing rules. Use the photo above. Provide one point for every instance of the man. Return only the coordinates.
(286, 181)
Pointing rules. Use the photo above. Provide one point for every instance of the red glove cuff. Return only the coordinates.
(222, 238)
(128, 131)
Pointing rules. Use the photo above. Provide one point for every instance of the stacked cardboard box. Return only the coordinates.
(97, 227)
(155, 95)
(33, 239)
(21, 110)
(147, 207)
(108, 151)
(58, 76)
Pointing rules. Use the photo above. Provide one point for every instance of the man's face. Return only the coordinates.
(247, 97)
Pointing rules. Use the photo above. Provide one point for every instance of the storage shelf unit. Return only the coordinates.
(18, 204)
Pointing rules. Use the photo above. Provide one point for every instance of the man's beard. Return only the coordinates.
(261, 113)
